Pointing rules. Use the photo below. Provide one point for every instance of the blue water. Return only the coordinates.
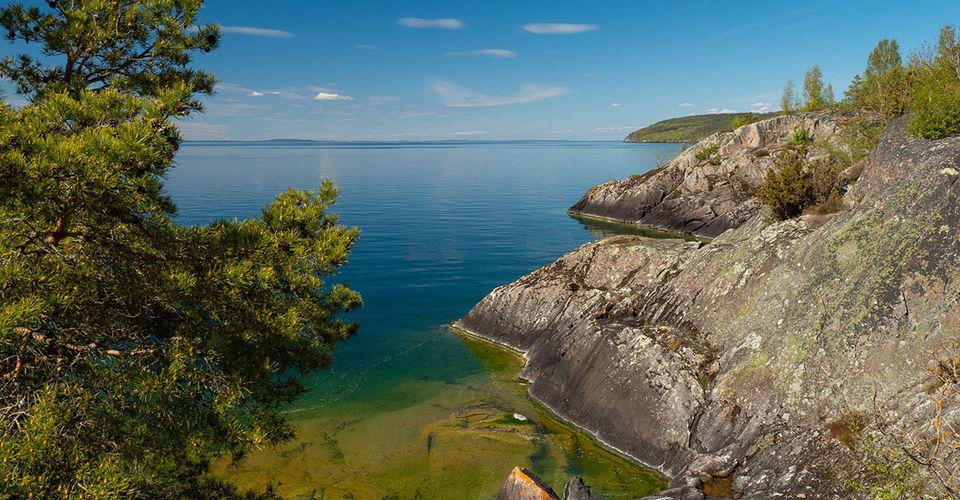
(441, 225)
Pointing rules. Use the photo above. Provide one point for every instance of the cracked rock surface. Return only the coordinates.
(726, 361)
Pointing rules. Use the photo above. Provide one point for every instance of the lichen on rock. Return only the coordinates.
(722, 363)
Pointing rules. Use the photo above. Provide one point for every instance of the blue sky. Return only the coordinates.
(417, 70)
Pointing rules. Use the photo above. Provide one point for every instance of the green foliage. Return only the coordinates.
(788, 100)
(935, 102)
(131, 348)
(709, 154)
(928, 87)
(815, 94)
(796, 184)
(745, 119)
(884, 87)
(135, 46)
(687, 128)
(800, 136)
(788, 187)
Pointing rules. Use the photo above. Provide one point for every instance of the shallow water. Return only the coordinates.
(410, 409)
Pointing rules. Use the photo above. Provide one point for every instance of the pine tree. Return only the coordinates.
(133, 348)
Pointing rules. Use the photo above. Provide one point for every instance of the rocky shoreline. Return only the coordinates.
(708, 188)
(724, 364)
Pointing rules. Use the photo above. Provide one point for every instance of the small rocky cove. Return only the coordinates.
(726, 364)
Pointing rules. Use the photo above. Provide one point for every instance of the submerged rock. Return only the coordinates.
(708, 188)
(576, 489)
(525, 485)
(722, 364)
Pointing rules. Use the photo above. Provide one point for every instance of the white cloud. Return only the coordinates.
(331, 96)
(249, 30)
(469, 132)
(417, 22)
(367, 46)
(686, 104)
(295, 93)
(498, 53)
(615, 105)
(455, 96)
(761, 107)
(557, 28)
(714, 111)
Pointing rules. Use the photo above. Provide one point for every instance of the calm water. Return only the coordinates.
(410, 409)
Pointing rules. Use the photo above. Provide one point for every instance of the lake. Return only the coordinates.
(408, 408)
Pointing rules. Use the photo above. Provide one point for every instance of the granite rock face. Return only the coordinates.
(708, 188)
(726, 362)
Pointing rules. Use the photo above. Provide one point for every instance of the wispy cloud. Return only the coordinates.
(498, 53)
(713, 111)
(686, 104)
(615, 105)
(557, 28)
(761, 107)
(296, 93)
(615, 129)
(366, 46)
(331, 96)
(455, 96)
(469, 133)
(382, 99)
(419, 22)
(252, 31)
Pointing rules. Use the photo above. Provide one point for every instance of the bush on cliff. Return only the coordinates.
(709, 155)
(132, 348)
(788, 187)
(797, 185)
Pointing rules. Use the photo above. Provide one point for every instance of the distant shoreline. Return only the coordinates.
(438, 141)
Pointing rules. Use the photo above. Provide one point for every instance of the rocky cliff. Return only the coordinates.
(709, 187)
(725, 364)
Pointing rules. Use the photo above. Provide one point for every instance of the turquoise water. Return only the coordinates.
(409, 409)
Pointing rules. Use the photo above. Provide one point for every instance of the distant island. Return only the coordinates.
(689, 128)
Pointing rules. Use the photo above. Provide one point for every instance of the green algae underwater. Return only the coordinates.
(442, 440)
(408, 408)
